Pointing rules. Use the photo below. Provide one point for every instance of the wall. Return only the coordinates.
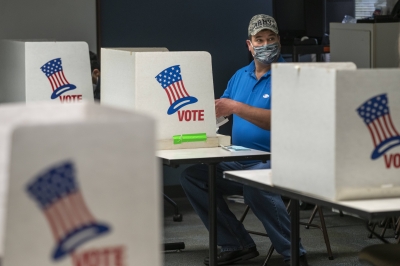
(72, 20)
(216, 26)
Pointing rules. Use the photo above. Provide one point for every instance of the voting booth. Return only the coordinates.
(80, 185)
(176, 88)
(45, 71)
(336, 130)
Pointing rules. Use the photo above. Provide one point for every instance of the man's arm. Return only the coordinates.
(258, 116)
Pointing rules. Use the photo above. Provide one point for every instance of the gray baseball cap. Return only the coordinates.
(262, 22)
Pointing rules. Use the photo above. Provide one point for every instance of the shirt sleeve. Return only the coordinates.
(229, 88)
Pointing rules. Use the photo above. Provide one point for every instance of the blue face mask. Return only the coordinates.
(266, 54)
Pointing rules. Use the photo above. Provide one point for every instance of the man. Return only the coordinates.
(248, 98)
(95, 69)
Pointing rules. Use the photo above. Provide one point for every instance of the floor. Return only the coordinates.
(347, 234)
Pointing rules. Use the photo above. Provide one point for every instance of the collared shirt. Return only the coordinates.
(245, 88)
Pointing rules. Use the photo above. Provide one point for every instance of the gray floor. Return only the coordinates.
(347, 235)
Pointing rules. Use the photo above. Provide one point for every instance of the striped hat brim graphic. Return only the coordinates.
(77, 238)
(60, 90)
(181, 103)
(385, 146)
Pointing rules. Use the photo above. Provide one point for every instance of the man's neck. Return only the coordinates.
(261, 69)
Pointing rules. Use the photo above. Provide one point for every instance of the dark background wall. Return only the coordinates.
(216, 26)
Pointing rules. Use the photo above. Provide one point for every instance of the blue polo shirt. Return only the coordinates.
(245, 88)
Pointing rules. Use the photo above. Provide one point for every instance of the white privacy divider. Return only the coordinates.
(80, 186)
(335, 130)
(176, 88)
(45, 71)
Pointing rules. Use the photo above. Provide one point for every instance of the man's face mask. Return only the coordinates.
(266, 54)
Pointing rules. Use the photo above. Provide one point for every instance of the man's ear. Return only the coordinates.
(279, 41)
(96, 73)
(248, 42)
(95, 76)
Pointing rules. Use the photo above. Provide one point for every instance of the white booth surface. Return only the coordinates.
(336, 130)
(176, 88)
(80, 185)
(45, 71)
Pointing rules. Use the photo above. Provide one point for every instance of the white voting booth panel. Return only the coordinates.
(335, 130)
(176, 88)
(118, 75)
(80, 186)
(45, 71)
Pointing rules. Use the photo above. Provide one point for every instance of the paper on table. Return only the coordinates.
(221, 120)
(234, 148)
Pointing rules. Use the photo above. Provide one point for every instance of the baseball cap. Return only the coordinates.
(262, 22)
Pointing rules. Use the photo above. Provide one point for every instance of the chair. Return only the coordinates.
(177, 217)
(389, 222)
(304, 46)
(307, 49)
(382, 254)
(239, 199)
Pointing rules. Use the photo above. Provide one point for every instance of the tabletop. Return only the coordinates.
(367, 208)
(210, 155)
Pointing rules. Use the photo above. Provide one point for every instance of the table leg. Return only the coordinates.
(295, 235)
(375, 234)
(212, 207)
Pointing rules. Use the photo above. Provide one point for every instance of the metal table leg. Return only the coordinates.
(295, 235)
(212, 207)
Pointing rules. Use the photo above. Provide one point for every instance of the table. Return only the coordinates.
(371, 209)
(211, 157)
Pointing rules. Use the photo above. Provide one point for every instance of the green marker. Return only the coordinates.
(179, 139)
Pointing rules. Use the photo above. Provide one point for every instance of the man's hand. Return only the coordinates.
(258, 116)
(224, 107)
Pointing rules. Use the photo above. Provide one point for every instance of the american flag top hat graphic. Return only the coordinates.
(376, 115)
(55, 74)
(57, 194)
(171, 81)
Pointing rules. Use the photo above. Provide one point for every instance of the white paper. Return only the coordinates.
(221, 121)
